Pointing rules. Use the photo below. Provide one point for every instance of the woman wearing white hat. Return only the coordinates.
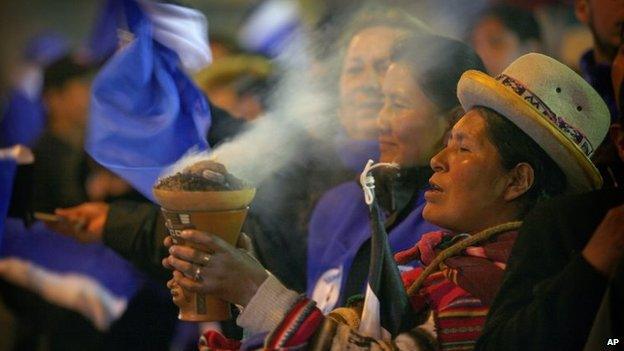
(527, 134)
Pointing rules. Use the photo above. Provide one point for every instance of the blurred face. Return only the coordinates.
(605, 19)
(361, 78)
(70, 102)
(469, 182)
(496, 45)
(411, 130)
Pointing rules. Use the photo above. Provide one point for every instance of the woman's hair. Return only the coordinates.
(384, 16)
(437, 63)
(515, 147)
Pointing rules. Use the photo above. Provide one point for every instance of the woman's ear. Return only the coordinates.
(521, 179)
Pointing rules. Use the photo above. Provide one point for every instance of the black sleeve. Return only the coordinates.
(550, 294)
(136, 231)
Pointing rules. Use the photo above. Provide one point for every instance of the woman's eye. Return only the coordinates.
(398, 106)
(463, 149)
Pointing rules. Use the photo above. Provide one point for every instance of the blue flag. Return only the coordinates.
(90, 279)
(22, 120)
(145, 111)
(8, 167)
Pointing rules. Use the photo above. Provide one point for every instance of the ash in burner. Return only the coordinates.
(202, 176)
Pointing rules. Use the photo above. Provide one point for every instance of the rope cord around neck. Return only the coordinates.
(434, 266)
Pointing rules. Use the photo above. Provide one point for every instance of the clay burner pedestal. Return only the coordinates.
(219, 213)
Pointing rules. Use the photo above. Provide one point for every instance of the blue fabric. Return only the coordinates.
(22, 121)
(598, 75)
(145, 112)
(62, 254)
(7, 174)
(340, 225)
(355, 153)
(103, 40)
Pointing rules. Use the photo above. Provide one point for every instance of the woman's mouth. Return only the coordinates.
(433, 192)
(434, 187)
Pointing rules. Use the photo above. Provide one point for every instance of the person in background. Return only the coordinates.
(61, 168)
(502, 33)
(238, 84)
(567, 260)
(22, 117)
(605, 20)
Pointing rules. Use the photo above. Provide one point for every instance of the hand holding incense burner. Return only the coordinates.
(207, 198)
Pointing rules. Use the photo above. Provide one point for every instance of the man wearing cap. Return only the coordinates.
(568, 260)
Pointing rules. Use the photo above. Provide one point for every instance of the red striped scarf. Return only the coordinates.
(460, 294)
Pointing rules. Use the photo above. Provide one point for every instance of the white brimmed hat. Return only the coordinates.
(553, 105)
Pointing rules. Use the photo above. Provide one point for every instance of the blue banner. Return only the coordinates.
(145, 111)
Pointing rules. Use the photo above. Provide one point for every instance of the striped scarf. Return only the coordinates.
(460, 293)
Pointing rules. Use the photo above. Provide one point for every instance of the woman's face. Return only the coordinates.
(411, 130)
(469, 182)
(363, 70)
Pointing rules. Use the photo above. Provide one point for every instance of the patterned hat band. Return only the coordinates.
(571, 132)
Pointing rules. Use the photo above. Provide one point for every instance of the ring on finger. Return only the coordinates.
(205, 258)
(197, 275)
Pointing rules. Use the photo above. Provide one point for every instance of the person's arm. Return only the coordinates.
(550, 293)
(268, 307)
(133, 229)
(136, 231)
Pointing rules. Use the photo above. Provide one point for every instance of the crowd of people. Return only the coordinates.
(498, 190)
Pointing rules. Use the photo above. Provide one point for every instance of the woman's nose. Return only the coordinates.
(438, 162)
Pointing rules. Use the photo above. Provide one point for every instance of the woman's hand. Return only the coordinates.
(221, 270)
